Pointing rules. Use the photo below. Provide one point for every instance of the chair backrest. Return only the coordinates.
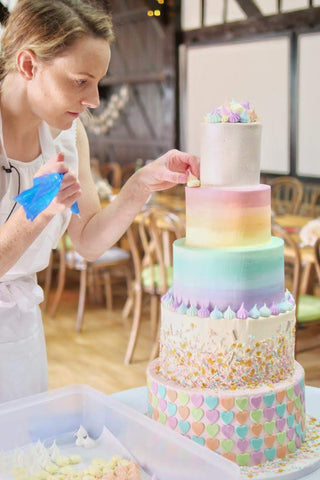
(315, 204)
(112, 172)
(317, 258)
(286, 195)
(292, 257)
(151, 246)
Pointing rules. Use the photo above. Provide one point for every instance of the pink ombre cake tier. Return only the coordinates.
(228, 217)
(248, 427)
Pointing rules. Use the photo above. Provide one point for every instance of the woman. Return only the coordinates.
(53, 55)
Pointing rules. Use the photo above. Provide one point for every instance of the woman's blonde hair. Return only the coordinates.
(48, 27)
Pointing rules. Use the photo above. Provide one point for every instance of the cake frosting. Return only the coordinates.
(226, 375)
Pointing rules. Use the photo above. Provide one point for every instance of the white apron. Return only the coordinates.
(23, 362)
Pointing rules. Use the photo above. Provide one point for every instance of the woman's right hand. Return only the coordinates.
(70, 190)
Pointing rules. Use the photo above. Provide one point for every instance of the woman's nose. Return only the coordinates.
(91, 100)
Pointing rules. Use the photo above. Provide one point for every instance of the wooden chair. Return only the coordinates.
(307, 306)
(114, 262)
(151, 249)
(113, 173)
(315, 207)
(286, 195)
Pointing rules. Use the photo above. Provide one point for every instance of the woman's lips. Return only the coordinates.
(74, 114)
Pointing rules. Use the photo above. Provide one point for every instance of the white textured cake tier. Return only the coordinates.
(226, 353)
(248, 427)
(230, 154)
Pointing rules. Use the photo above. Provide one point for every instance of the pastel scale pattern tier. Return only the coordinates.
(226, 353)
(246, 426)
(224, 217)
(230, 154)
(228, 277)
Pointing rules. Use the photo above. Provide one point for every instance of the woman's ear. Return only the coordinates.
(26, 64)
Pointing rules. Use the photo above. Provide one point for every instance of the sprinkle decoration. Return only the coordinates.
(232, 112)
(307, 455)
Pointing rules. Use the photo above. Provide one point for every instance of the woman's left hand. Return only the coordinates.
(168, 170)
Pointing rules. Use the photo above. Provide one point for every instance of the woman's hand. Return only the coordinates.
(70, 189)
(167, 171)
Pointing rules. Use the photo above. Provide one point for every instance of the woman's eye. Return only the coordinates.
(81, 82)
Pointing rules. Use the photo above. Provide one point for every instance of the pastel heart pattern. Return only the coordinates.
(269, 426)
(303, 436)
(162, 404)
(162, 391)
(290, 433)
(256, 401)
(297, 402)
(298, 442)
(211, 402)
(230, 456)
(212, 415)
(149, 411)
(269, 399)
(290, 392)
(243, 459)
(184, 426)
(256, 415)
(256, 443)
(227, 430)
(291, 446)
(227, 417)
(297, 388)
(154, 388)
(155, 414)
(297, 416)
(242, 403)
(302, 383)
(290, 406)
(172, 409)
(197, 400)
(212, 430)
(280, 396)
(269, 413)
(227, 445)
(227, 402)
(242, 417)
(242, 430)
(243, 444)
(269, 440)
(282, 451)
(281, 437)
(280, 424)
(172, 395)
(280, 409)
(290, 420)
(184, 398)
(256, 429)
(198, 428)
(270, 453)
(256, 457)
(155, 401)
(162, 418)
(184, 412)
(173, 422)
(199, 440)
(298, 429)
(197, 413)
(212, 443)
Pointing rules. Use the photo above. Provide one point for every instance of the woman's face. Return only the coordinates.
(63, 88)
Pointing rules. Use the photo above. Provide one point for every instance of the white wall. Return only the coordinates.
(308, 151)
(255, 71)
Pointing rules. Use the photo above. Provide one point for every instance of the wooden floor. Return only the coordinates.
(95, 356)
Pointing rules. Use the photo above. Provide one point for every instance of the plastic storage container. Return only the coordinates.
(156, 448)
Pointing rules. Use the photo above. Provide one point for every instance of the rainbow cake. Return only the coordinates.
(226, 375)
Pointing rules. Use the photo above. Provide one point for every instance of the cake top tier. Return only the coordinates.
(232, 112)
(230, 147)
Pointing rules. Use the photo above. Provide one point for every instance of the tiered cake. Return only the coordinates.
(226, 375)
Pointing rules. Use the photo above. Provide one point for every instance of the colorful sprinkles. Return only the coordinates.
(232, 112)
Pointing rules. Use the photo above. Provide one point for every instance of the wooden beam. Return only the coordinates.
(286, 22)
(130, 16)
(138, 142)
(250, 8)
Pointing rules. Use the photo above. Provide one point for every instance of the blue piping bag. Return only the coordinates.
(37, 198)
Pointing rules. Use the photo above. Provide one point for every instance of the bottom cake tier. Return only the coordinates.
(247, 426)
